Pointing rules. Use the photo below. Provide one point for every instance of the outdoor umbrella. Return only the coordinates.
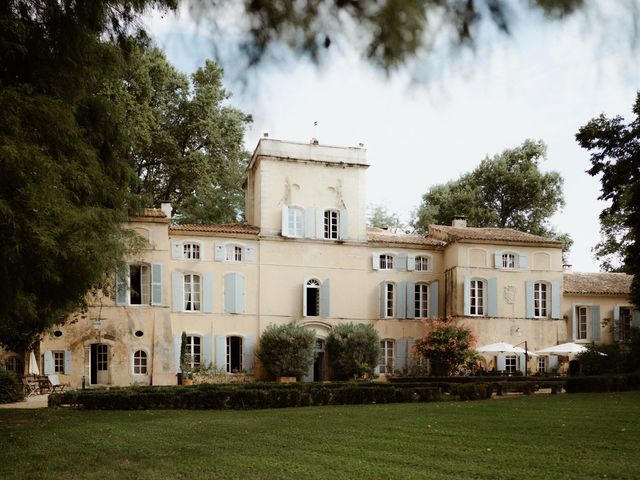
(503, 347)
(564, 349)
(33, 365)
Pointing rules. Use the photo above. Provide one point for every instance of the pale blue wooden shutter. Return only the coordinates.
(555, 300)
(176, 250)
(401, 355)
(411, 299)
(497, 259)
(308, 223)
(219, 253)
(240, 295)
(221, 352)
(411, 263)
(375, 261)
(122, 285)
(230, 301)
(501, 362)
(325, 297)
(177, 292)
(574, 311)
(48, 363)
(67, 362)
(319, 223)
(616, 323)
(177, 342)
(433, 299)
(467, 296)
(553, 363)
(156, 284)
(492, 294)
(285, 220)
(249, 346)
(528, 293)
(522, 261)
(383, 300)
(595, 322)
(343, 234)
(401, 299)
(207, 292)
(206, 350)
(250, 254)
(401, 262)
(523, 363)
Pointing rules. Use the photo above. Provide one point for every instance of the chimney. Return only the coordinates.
(314, 141)
(459, 221)
(166, 209)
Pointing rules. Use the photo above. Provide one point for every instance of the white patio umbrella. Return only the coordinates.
(503, 347)
(564, 349)
(33, 365)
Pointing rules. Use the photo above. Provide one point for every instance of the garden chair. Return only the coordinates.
(56, 385)
(31, 386)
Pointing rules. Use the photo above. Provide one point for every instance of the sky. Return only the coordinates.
(544, 82)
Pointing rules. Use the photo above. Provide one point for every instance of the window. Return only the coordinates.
(423, 264)
(58, 362)
(510, 363)
(102, 357)
(540, 300)
(191, 251)
(312, 297)
(542, 364)
(582, 322)
(139, 285)
(389, 303)
(193, 352)
(331, 222)
(625, 324)
(296, 222)
(235, 354)
(421, 300)
(14, 364)
(508, 260)
(140, 362)
(386, 262)
(234, 253)
(192, 293)
(386, 356)
(476, 297)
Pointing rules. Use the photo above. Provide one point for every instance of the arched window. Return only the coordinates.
(423, 263)
(140, 362)
(386, 261)
(389, 300)
(477, 294)
(421, 300)
(540, 299)
(386, 356)
(312, 298)
(191, 293)
(331, 224)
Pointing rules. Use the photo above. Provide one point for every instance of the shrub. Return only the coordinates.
(286, 350)
(11, 389)
(447, 346)
(352, 350)
(603, 383)
(601, 359)
(474, 391)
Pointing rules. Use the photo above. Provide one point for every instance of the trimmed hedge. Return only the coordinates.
(603, 383)
(11, 389)
(474, 391)
(249, 396)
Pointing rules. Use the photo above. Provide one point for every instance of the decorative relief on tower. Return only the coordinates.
(510, 294)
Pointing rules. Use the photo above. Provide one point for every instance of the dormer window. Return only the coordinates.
(386, 262)
(191, 251)
(508, 260)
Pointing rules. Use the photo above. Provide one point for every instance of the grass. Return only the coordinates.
(581, 436)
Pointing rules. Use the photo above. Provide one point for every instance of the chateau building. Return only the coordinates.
(305, 255)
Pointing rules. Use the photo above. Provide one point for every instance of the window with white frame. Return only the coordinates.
(389, 299)
(509, 260)
(582, 323)
(540, 299)
(386, 261)
(312, 298)
(386, 356)
(14, 364)
(139, 285)
(58, 361)
(625, 324)
(193, 352)
(192, 292)
(233, 253)
(235, 354)
(140, 362)
(102, 357)
(542, 364)
(511, 363)
(477, 290)
(331, 224)
(191, 251)
(423, 263)
(296, 222)
(421, 297)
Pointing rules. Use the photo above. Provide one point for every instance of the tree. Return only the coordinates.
(447, 346)
(615, 157)
(286, 350)
(353, 350)
(505, 191)
(187, 144)
(380, 217)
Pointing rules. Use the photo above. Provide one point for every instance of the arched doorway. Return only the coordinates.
(318, 368)
(318, 363)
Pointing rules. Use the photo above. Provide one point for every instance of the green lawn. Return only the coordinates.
(539, 437)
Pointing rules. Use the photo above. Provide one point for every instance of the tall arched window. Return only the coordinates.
(312, 298)
(477, 297)
(386, 356)
(192, 293)
(193, 351)
(421, 300)
(140, 362)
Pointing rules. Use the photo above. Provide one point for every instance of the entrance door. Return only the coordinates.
(318, 364)
(99, 364)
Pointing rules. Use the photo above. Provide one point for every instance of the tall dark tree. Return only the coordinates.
(614, 146)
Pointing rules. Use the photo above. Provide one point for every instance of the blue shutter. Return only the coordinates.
(319, 223)
(206, 350)
(383, 300)
(523, 363)
(401, 355)
(555, 300)
(595, 322)
(467, 296)
(553, 363)
(219, 253)
(156, 284)
(230, 300)
(249, 346)
(343, 234)
(177, 292)
(528, 293)
(492, 294)
(177, 342)
(522, 261)
(176, 250)
(207, 292)
(240, 295)
(221, 352)
(501, 362)
(67, 362)
(308, 223)
(375, 261)
(250, 254)
(411, 263)
(325, 294)
(401, 299)
(433, 299)
(616, 323)
(574, 329)
(401, 262)
(122, 285)
(497, 259)
(48, 363)
(411, 299)
(285, 220)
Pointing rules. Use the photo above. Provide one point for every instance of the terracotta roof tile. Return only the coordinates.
(150, 213)
(452, 234)
(597, 283)
(379, 235)
(241, 228)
